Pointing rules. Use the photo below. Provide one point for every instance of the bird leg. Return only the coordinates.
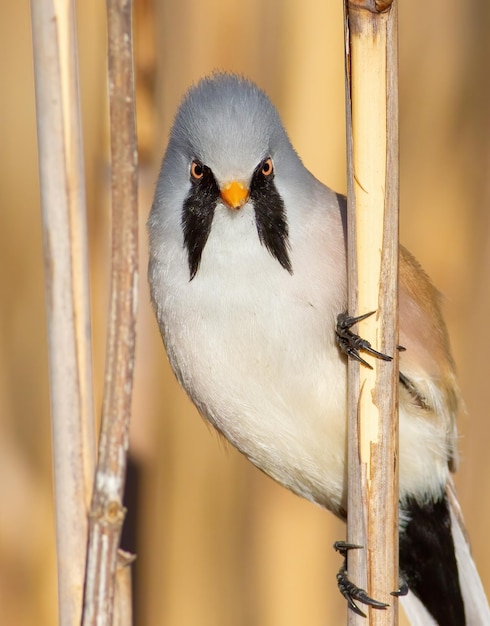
(348, 589)
(350, 343)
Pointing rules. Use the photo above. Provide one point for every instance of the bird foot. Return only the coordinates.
(351, 344)
(348, 589)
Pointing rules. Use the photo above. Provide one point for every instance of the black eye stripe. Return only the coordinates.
(197, 216)
(270, 216)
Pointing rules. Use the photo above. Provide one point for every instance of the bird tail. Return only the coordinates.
(477, 612)
(475, 601)
(416, 612)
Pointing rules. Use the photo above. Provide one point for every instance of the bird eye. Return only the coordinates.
(197, 170)
(267, 167)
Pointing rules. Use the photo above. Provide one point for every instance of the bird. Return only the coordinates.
(247, 275)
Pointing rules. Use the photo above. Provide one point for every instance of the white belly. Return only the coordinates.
(265, 381)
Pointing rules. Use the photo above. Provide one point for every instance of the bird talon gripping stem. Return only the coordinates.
(347, 588)
(350, 343)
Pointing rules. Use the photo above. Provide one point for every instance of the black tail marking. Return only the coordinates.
(428, 560)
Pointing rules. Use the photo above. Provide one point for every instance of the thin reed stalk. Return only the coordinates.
(67, 290)
(372, 137)
(107, 511)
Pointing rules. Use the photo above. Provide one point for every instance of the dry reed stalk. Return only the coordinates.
(372, 116)
(107, 512)
(123, 606)
(67, 290)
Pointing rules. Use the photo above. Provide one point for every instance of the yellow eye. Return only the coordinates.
(197, 170)
(267, 167)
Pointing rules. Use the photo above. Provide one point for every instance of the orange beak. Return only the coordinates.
(234, 195)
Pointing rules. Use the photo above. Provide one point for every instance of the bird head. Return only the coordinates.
(228, 152)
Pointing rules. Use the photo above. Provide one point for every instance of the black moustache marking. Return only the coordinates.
(197, 217)
(270, 217)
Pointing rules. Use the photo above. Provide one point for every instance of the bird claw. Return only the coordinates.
(348, 589)
(402, 590)
(350, 343)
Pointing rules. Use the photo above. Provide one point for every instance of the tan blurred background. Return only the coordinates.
(218, 543)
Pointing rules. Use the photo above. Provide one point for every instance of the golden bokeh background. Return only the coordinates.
(218, 543)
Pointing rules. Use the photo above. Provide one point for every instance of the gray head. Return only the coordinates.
(227, 148)
(229, 124)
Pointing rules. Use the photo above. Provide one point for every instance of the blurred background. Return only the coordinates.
(218, 543)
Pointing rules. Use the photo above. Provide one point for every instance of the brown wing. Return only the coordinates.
(426, 367)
